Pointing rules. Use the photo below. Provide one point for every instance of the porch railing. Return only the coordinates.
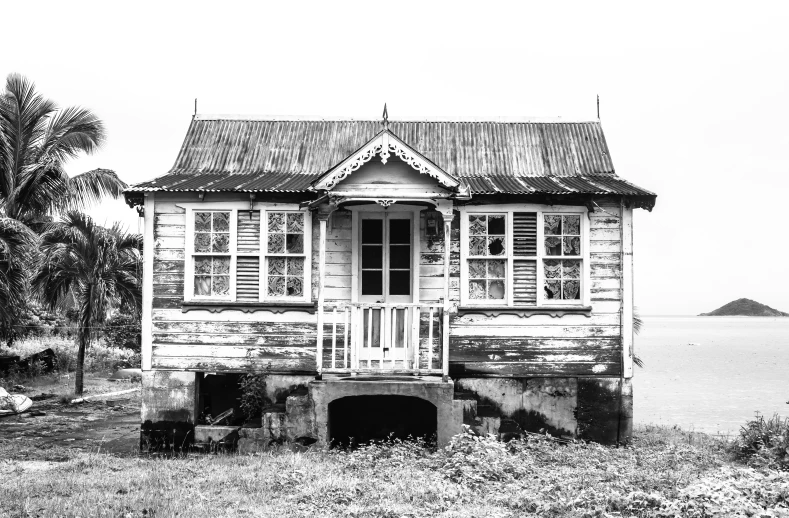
(390, 338)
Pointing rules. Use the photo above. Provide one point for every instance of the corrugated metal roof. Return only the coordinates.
(233, 154)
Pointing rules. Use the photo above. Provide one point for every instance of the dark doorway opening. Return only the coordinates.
(218, 393)
(358, 420)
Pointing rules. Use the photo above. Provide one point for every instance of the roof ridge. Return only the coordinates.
(504, 119)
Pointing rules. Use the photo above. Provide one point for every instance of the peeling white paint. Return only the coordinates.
(598, 368)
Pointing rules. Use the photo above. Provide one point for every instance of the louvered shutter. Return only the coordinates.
(248, 264)
(524, 245)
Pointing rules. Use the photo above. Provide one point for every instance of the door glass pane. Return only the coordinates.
(372, 282)
(399, 282)
(400, 231)
(372, 257)
(400, 257)
(372, 231)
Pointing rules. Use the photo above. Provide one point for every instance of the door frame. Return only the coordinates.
(415, 247)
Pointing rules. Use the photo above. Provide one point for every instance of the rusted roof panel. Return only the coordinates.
(232, 154)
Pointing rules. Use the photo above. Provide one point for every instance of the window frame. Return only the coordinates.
(509, 210)
(265, 208)
(190, 255)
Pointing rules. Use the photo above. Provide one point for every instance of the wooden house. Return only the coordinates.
(385, 277)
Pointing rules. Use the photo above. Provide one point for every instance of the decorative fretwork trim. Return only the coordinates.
(384, 145)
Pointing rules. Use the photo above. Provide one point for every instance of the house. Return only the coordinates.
(388, 277)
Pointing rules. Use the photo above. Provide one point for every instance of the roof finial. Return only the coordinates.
(386, 118)
(598, 106)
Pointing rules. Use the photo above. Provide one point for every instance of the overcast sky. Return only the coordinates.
(694, 99)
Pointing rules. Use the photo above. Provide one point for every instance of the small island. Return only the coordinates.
(745, 308)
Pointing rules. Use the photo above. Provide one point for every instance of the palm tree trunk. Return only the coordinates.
(83, 337)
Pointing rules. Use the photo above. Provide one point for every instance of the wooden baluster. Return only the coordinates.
(345, 341)
(430, 340)
(369, 336)
(382, 337)
(417, 315)
(393, 344)
(406, 319)
(333, 337)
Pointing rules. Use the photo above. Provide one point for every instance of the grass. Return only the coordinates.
(665, 472)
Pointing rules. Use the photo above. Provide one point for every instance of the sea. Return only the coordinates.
(711, 374)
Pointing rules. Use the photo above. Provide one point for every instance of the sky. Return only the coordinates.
(694, 99)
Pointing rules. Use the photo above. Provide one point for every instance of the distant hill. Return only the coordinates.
(747, 308)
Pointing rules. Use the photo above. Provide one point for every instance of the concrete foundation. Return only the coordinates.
(597, 409)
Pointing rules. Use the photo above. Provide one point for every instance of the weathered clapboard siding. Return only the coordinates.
(508, 345)
(338, 258)
(230, 340)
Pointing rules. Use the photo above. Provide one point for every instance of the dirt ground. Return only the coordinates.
(54, 429)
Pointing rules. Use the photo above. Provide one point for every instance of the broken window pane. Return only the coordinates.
(295, 244)
(495, 246)
(295, 287)
(496, 224)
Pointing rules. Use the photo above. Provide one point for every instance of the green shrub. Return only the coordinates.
(253, 395)
(123, 330)
(764, 442)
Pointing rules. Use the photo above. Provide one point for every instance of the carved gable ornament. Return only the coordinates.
(385, 144)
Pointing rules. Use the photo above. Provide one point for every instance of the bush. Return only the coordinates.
(764, 442)
(253, 395)
(123, 330)
(98, 357)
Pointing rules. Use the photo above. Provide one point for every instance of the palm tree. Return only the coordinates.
(17, 244)
(100, 267)
(36, 140)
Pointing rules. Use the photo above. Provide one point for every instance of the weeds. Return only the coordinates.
(764, 442)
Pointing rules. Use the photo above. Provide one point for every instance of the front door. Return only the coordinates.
(386, 280)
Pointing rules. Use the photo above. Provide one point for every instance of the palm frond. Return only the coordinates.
(89, 188)
(17, 248)
(70, 132)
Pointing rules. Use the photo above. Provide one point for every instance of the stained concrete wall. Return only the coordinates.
(168, 411)
(590, 408)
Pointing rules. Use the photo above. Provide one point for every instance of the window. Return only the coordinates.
(286, 265)
(238, 253)
(212, 255)
(511, 256)
(487, 257)
(562, 238)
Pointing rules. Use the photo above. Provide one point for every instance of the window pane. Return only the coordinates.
(553, 246)
(570, 290)
(276, 286)
(553, 289)
(400, 231)
(571, 269)
(295, 287)
(276, 222)
(476, 269)
(496, 269)
(477, 224)
(496, 290)
(495, 246)
(400, 256)
(400, 282)
(221, 222)
(295, 244)
(203, 266)
(372, 257)
(276, 243)
(477, 246)
(496, 225)
(372, 283)
(571, 245)
(276, 266)
(202, 242)
(476, 290)
(220, 243)
(296, 266)
(295, 223)
(553, 225)
(202, 222)
(202, 286)
(572, 225)
(372, 231)
(221, 265)
(553, 269)
(221, 285)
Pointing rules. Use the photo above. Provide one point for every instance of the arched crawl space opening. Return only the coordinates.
(361, 419)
